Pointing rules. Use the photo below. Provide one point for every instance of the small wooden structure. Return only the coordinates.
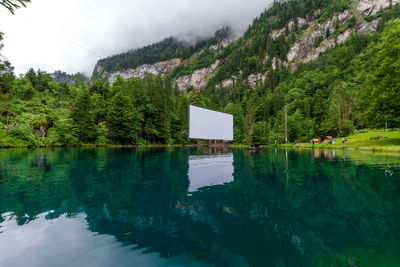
(316, 140)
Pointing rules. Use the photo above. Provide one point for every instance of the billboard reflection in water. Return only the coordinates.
(209, 170)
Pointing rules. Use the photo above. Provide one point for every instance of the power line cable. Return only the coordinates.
(65, 38)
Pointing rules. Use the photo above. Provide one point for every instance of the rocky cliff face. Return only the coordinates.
(254, 80)
(218, 47)
(142, 71)
(301, 22)
(330, 33)
(198, 79)
(371, 7)
(304, 51)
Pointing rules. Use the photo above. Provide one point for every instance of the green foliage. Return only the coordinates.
(24, 132)
(12, 5)
(260, 132)
(196, 99)
(6, 71)
(238, 121)
(327, 32)
(257, 42)
(351, 86)
(299, 127)
(165, 50)
(39, 80)
(82, 116)
(123, 120)
(62, 76)
(102, 133)
(380, 78)
(63, 133)
(23, 89)
(206, 56)
(318, 40)
(352, 22)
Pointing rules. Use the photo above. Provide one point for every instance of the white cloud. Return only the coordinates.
(69, 34)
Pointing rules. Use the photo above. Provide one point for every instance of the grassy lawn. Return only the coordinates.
(390, 141)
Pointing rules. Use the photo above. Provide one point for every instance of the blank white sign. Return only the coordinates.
(209, 124)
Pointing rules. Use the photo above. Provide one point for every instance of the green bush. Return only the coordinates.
(102, 133)
(318, 40)
(260, 132)
(63, 134)
(25, 132)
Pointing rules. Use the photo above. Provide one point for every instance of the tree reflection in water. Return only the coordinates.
(278, 208)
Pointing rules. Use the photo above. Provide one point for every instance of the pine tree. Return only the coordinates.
(83, 117)
(123, 120)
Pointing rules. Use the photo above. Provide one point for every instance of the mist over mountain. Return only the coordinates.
(61, 76)
(73, 35)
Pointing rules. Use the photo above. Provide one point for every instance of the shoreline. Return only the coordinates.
(373, 148)
(386, 149)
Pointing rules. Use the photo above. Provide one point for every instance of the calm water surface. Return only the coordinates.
(198, 207)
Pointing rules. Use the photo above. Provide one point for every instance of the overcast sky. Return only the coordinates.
(71, 35)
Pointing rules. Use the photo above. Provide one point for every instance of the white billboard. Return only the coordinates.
(209, 124)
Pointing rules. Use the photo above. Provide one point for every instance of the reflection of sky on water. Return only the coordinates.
(67, 241)
(210, 170)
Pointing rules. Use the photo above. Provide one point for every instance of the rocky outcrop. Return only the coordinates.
(360, 27)
(198, 79)
(330, 33)
(218, 47)
(371, 7)
(228, 83)
(42, 131)
(300, 22)
(141, 71)
(301, 51)
(304, 51)
(254, 80)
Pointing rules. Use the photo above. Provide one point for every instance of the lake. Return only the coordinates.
(198, 207)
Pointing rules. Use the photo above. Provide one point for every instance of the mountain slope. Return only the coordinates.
(286, 35)
(168, 49)
(333, 64)
(281, 49)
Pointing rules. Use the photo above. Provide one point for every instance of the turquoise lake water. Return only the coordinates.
(198, 207)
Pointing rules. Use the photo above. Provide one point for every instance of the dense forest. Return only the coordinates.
(353, 85)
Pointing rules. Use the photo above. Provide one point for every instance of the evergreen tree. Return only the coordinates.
(123, 120)
(83, 117)
(6, 71)
(239, 121)
(380, 78)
